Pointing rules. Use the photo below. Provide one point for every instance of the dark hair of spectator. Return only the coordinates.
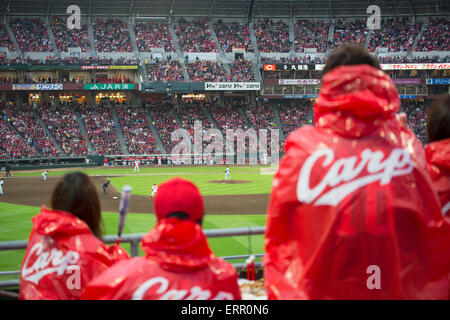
(76, 194)
(350, 54)
(182, 216)
(438, 120)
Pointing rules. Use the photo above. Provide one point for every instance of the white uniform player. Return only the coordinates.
(44, 175)
(136, 165)
(1, 186)
(159, 161)
(154, 190)
(227, 173)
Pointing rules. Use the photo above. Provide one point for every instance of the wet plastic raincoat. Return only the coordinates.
(438, 157)
(62, 256)
(352, 213)
(178, 265)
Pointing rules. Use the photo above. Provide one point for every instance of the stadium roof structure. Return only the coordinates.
(246, 9)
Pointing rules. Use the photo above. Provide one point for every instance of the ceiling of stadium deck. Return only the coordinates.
(225, 8)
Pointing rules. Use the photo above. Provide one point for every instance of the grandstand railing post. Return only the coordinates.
(134, 248)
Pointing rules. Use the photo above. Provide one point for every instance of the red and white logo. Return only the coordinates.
(45, 262)
(344, 175)
(161, 287)
(269, 67)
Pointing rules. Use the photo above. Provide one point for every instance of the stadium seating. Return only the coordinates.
(112, 35)
(153, 35)
(194, 36)
(272, 36)
(62, 123)
(5, 40)
(11, 144)
(205, 70)
(293, 117)
(241, 71)
(311, 34)
(396, 34)
(436, 36)
(165, 123)
(101, 129)
(137, 134)
(66, 38)
(350, 32)
(165, 71)
(30, 129)
(233, 35)
(31, 35)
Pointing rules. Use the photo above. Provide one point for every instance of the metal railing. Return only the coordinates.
(134, 240)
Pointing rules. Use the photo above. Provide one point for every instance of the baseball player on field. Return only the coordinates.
(136, 165)
(1, 186)
(227, 173)
(44, 175)
(154, 190)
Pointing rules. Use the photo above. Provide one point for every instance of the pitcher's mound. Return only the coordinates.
(229, 181)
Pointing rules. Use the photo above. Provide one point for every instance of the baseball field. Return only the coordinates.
(242, 202)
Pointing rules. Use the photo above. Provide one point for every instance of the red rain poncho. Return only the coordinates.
(438, 157)
(62, 256)
(178, 265)
(352, 207)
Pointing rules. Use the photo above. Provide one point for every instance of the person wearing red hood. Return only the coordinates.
(353, 213)
(178, 263)
(438, 150)
(64, 249)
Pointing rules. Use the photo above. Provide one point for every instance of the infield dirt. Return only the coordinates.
(33, 191)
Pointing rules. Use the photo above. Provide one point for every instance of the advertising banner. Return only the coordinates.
(285, 67)
(406, 66)
(110, 86)
(298, 81)
(407, 81)
(223, 86)
(108, 67)
(438, 81)
(38, 86)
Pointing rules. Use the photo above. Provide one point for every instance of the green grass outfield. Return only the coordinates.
(15, 220)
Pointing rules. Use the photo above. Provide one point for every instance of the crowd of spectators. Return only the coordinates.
(194, 36)
(228, 116)
(311, 34)
(233, 35)
(112, 35)
(436, 36)
(307, 59)
(165, 123)
(115, 78)
(23, 120)
(5, 40)
(405, 59)
(416, 116)
(206, 70)
(11, 144)
(61, 121)
(272, 36)
(66, 38)
(350, 32)
(241, 70)
(165, 71)
(136, 131)
(85, 61)
(153, 35)
(396, 34)
(293, 116)
(31, 35)
(101, 129)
